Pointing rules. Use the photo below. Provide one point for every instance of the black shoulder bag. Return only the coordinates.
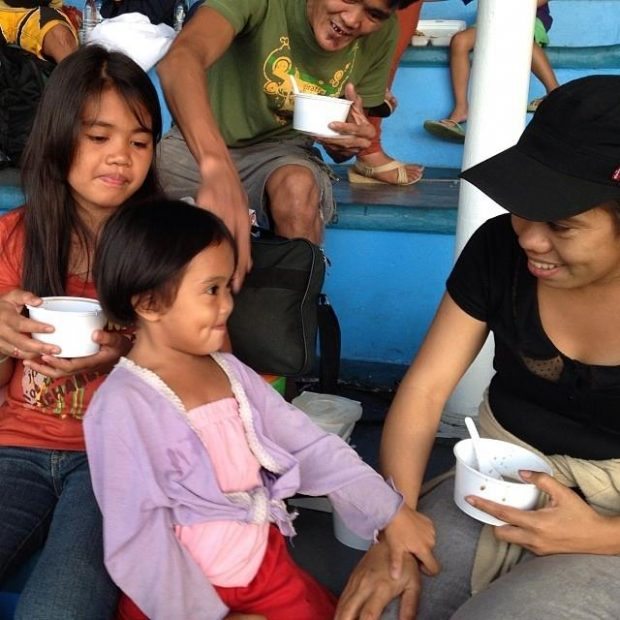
(280, 309)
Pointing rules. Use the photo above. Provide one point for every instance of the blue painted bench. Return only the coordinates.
(572, 59)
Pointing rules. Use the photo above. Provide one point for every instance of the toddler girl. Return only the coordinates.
(192, 454)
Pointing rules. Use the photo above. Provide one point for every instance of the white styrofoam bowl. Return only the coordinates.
(333, 413)
(74, 320)
(313, 113)
(508, 459)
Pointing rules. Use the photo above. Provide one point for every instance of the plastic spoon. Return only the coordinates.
(294, 85)
(484, 465)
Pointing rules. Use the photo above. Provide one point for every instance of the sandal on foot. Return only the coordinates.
(532, 106)
(446, 129)
(359, 173)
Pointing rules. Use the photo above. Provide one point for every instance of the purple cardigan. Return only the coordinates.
(150, 471)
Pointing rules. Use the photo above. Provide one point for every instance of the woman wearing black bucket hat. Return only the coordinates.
(545, 280)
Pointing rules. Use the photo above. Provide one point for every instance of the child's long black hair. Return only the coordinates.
(50, 216)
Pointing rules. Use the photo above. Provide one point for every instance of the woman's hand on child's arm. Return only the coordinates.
(371, 587)
(113, 346)
(15, 328)
(411, 532)
(567, 524)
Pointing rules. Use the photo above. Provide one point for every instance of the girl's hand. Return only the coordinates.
(411, 532)
(15, 329)
(113, 346)
(566, 525)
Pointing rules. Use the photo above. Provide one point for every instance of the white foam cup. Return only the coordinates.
(508, 459)
(313, 113)
(74, 320)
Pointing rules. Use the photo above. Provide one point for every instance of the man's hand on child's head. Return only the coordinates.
(222, 193)
(411, 532)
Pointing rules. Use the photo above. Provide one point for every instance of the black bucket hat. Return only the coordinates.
(567, 159)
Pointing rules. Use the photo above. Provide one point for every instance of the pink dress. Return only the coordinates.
(228, 552)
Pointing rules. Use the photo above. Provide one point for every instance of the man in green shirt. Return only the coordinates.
(227, 82)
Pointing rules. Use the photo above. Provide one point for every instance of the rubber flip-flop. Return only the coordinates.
(446, 129)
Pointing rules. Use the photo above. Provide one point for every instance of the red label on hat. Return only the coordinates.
(616, 175)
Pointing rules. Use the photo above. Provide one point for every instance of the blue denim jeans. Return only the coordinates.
(47, 502)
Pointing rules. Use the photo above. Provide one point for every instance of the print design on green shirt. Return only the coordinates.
(277, 69)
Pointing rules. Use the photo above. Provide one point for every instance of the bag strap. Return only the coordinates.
(259, 232)
(329, 346)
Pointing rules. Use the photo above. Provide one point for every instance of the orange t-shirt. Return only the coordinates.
(40, 412)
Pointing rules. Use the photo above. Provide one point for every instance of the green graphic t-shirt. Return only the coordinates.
(249, 86)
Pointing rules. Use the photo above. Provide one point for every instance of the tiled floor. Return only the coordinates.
(315, 547)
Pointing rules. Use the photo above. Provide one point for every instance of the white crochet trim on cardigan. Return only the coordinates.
(258, 502)
(155, 381)
(245, 413)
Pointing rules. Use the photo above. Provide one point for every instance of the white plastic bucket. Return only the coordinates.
(437, 32)
(344, 535)
(334, 414)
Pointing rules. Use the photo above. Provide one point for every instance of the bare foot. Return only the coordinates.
(414, 171)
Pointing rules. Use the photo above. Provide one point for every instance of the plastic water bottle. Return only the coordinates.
(180, 10)
(98, 4)
(90, 18)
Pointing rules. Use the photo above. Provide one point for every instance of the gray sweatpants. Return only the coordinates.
(557, 587)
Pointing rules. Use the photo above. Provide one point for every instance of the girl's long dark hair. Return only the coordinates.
(50, 216)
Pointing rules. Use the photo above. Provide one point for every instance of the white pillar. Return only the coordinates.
(499, 87)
